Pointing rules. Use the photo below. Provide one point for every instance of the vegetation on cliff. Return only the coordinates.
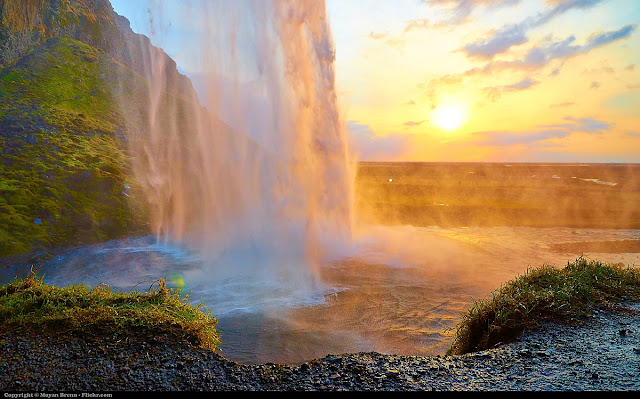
(541, 295)
(29, 305)
(65, 176)
(544, 294)
(73, 97)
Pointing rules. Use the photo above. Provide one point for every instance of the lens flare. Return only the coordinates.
(177, 280)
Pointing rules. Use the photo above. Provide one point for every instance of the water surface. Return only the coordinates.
(400, 289)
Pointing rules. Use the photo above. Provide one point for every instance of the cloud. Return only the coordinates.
(499, 42)
(561, 7)
(390, 41)
(561, 105)
(368, 146)
(508, 138)
(378, 36)
(604, 69)
(521, 85)
(411, 123)
(460, 10)
(588, 125)
(418, 24)
(541, 55)
(515, 34)
(634, 134)
(433, 86)
(494, 93)
(536, 58)
(538, 137)
(601, 39)
(397, 43)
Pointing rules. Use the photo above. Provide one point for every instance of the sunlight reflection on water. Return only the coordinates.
(401, 290)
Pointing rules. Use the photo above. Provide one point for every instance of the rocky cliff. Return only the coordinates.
(72, 73)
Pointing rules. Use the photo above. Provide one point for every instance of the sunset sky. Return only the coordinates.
(479, 80)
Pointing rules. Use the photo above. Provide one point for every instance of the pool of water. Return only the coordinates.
(396, 289)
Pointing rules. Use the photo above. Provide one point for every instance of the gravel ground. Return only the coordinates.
(603, 353)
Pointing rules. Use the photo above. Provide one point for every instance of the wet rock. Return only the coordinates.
(556, 358)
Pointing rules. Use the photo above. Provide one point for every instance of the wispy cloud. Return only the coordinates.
(460, 10)
(537, 58)
(562, 105)
(378, 36)
(588, 125)
(420, 23)
(541, 55)
(397, 43)
(508, 138)
(412, 123)
(539, 137)
(514, 34)
(494, 93)
(497, 43)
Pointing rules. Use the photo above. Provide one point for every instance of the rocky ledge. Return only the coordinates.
(602, 353)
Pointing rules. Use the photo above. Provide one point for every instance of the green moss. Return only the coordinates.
(64, 165)
(31, 305)
(66, 151)
(60, 84)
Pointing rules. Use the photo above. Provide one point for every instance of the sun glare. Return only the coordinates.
(449, 117)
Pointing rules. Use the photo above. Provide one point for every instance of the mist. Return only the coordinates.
(259, 207)
(256, 174)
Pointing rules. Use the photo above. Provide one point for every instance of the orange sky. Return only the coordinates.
(536, 81)
(513, 80)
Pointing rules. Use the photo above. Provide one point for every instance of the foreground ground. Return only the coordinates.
(602, 353)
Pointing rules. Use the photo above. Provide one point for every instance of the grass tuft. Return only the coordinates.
(30, 305)
(541, 295)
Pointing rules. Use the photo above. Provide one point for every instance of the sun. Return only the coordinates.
(449, 116)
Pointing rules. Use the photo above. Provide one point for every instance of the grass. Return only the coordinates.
(541, 295)
(29, 305)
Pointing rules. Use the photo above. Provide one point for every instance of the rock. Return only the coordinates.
(117, 365)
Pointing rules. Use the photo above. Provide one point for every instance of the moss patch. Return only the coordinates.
(65, 174)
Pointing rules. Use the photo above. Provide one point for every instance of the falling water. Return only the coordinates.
(257, 181)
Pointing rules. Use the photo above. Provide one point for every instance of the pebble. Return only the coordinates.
(558, 357)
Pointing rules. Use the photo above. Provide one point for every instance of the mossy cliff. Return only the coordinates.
(71, 73)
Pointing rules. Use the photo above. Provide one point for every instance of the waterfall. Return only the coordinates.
(256, 176)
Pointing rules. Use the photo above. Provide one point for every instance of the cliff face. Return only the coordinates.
(71, 73)
(26, 24)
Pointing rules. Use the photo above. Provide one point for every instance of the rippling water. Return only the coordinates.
(400, 289)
